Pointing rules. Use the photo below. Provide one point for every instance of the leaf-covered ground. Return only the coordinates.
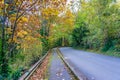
(57, 70)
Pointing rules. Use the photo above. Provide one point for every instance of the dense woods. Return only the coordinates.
(29, 28)
(98, 26)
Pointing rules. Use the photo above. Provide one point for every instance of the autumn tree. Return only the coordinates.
(11, 12)
(50, 17)
(57, 20)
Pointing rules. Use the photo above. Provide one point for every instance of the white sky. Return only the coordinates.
(76, 5)
(118, 0)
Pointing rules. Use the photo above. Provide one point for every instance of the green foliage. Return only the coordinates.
(44, 31)
(4, 67)
(1, 78)
(78, 34)
(45, 45)
(102, 19)
(0, 44)
(107, 45)
(15, 75)
(58, 43)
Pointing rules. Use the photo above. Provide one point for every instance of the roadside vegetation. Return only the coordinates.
(97, 27)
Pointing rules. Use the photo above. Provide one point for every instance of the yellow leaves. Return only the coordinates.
(24, 19)
(24, 46)
(1, 4)
(118, 4)
(21, 34)
(28, 26)
(28, 41)
(10, 40)
(12, 19)
(18, 47)
(67, 19)
(9, 30)
(24, 32)
(13, 40)
(28, 38)
(49, 12)
(31, 0)
(69, 14)
(63, 26)
(20, 24)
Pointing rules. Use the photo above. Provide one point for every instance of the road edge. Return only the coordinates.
(79, 77)
(27, 75)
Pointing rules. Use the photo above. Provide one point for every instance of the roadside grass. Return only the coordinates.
(107, 53)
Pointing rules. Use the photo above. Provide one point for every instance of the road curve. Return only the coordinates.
(94, 66)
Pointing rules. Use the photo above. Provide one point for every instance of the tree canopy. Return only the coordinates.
(29, 28)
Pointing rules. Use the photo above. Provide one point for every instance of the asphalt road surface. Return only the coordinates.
(93, 66)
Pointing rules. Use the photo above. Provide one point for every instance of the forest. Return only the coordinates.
(29, 28)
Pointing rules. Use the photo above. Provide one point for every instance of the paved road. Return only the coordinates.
(94, 66)
(57, 69)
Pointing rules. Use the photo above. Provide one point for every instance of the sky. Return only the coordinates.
(75, 3)
(118, 0)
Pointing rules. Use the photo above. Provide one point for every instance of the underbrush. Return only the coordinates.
(110, 52)
(23, 60)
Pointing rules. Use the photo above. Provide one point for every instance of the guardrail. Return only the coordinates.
(27, 75)
(72, 70)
